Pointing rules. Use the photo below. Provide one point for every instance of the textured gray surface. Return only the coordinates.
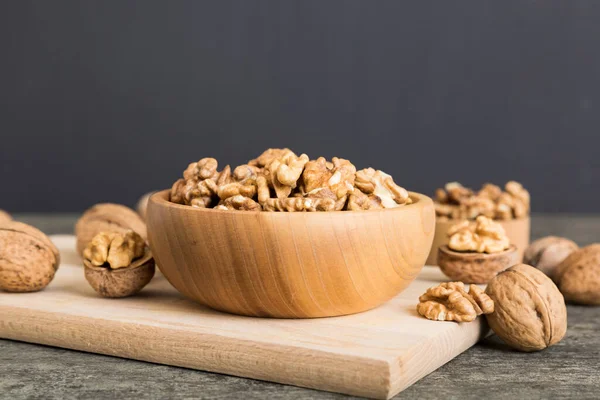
(489, 369)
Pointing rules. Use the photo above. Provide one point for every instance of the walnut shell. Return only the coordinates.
(578, 276)
(107, 217)
(530, 313)
(28, 259)
(4, 217)
(142, 205)
(546, 253)
(121, 282)
(475, 267)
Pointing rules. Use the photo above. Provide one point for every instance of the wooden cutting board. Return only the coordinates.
(374, 354)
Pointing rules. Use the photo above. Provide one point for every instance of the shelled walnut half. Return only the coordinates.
(107, 217)
(450, 302)
(118, 264)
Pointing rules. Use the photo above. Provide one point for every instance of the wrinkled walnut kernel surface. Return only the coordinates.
(481, 236)
(450, 302)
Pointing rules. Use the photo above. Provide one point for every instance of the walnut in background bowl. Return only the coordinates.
(509, 207)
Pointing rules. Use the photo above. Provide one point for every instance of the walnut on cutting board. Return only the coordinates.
(118, 264)
(450, 302)
(107, 217)
(28, 259)
(521, 304)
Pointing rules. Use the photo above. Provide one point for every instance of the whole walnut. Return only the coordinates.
(4, 217)
(142, 205)
(578, 276)
(529, 310)
(28, 259)
(107, 217)
(546, 253)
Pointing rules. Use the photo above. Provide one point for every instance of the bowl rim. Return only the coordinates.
(160, 198)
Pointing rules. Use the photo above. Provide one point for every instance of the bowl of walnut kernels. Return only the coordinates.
(287, 236)
(509, 207)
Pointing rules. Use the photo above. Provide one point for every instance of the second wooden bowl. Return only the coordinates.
(290, 265)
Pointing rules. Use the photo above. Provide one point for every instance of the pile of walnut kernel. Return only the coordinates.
(280, 180)
(455, 201)
(482, 236)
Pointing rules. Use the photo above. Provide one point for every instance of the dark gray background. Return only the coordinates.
(104, 100)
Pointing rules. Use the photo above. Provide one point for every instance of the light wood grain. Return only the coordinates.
(290, 265)
(374, 354)
(517, 230)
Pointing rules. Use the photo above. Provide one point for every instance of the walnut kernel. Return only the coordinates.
(118, 264)
(450, 302)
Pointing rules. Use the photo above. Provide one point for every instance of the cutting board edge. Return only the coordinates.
(399, 382)
(28, 325)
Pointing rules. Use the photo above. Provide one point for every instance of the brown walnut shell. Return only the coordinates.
(547, 253)
(121, 282)
(4, 217)
(142, 205)
(107, 217)
(471, 267)
(530, 312)
(578, 276)
(28, 259)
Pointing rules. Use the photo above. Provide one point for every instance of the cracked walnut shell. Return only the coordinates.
(450, 302)
(475, 267)
(530, 312)
(110, 218)
(118, 264)
(28, 259)
(578, 276)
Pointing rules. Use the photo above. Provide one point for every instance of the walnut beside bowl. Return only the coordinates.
(517, 230)
(290, 265)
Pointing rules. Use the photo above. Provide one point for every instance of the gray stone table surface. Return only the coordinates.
(488, 370)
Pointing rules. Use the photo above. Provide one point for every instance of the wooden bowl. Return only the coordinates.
(517, 230)
(475, 267)
(290, 265)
